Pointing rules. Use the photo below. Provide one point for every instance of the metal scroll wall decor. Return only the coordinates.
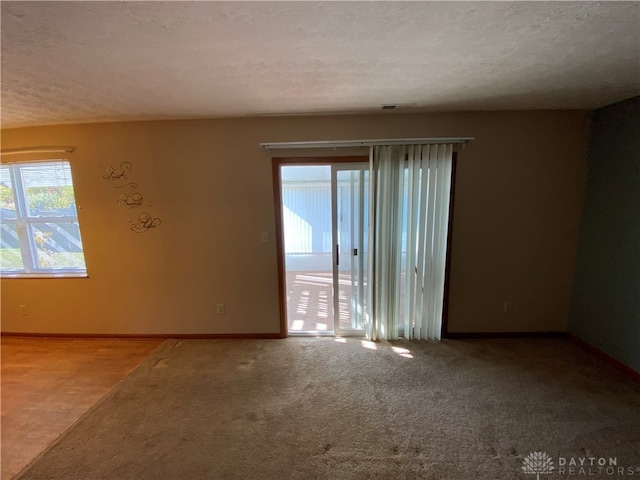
(119, 176)
(131, 201)
(111, 173)
(143, 223)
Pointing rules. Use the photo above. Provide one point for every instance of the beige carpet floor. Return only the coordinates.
(324, 408)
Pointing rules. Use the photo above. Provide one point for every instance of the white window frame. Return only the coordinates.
(24, 223)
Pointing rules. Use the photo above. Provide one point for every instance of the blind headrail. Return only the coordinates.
(49, 149)
(364, 143)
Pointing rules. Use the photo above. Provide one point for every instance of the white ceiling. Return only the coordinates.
(68, 62)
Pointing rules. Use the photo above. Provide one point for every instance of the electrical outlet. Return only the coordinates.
(220, 309)
(23, 310)
(508, 307)
(264, 236)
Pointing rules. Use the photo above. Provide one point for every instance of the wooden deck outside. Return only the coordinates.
(309, 302)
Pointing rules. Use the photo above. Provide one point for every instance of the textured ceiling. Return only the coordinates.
(68, 62)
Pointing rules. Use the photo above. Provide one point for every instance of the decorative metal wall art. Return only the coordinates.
(145, 221)
(131, 201)
(111, 173)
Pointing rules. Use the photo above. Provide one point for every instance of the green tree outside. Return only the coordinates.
(44, 198)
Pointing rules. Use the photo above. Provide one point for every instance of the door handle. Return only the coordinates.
(337, 254)
(355, 252)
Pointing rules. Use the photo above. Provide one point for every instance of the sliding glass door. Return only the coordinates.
(325, 212)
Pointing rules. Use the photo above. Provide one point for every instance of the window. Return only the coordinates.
(40, 235)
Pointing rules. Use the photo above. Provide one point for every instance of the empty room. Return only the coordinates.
(320, 240)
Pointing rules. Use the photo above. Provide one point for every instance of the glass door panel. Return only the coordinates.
(306, 212)
(350, 191)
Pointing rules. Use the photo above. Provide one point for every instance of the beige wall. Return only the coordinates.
(517, 213)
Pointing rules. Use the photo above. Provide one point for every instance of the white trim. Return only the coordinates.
(364, 143)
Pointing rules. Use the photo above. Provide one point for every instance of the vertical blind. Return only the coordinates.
(410, 189)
